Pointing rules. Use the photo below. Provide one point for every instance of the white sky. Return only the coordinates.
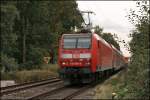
(110, 15)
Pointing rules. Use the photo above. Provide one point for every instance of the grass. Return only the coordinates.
(105, 90)
(46, 71)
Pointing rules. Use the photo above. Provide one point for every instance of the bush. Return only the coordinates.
(52, 67)
(35, 55)
(138, 72)
(8, 63)
(34, 58)
(45, 72)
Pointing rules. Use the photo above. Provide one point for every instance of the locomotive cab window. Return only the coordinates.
(83, 43)
(69, 43)
(76, 42)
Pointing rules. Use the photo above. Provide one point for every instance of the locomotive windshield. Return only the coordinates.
(76, 42)
(69, 43)
(83, 43)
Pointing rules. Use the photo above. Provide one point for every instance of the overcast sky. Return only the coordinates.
(110, 15)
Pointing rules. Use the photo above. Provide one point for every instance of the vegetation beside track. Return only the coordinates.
(46, 71)
(105, 90)
(135, 83)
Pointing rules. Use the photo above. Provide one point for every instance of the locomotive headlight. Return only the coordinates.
(85, 55)
(63, 63)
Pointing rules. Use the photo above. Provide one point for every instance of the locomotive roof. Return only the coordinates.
(109, 45)
(75, 34)
(102, 40)
(116, 49)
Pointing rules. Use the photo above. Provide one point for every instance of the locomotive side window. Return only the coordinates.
(69, 43)
(83, 43)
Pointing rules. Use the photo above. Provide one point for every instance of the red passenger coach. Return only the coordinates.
(86, 57)
(118, 59)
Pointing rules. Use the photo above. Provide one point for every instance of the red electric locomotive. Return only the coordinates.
(86, 57)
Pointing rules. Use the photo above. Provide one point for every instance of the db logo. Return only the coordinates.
(76, 55)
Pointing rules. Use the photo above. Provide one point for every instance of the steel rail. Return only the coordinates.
(24, 87)
(37, 96)
(26, 83)
(76, 93)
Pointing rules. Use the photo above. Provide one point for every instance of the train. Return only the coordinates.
(86, 57)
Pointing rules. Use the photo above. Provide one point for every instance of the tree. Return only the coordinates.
(8, 37)
(106, 36)
(98, 30)
(32, 28)
(110, 39)
(138, 73)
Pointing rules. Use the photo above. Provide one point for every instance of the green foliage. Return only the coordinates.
(36, 55)
(8, 63)
(34, 58)
(138, 72)
(114, 82)
(31, 29)
(46, 71)
(110, 39)
(98, 30)
(8, 37)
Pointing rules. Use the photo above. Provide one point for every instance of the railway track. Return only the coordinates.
(76, 93)
(40, 95)
(24, 86)
(61, 93)
(47, 89)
